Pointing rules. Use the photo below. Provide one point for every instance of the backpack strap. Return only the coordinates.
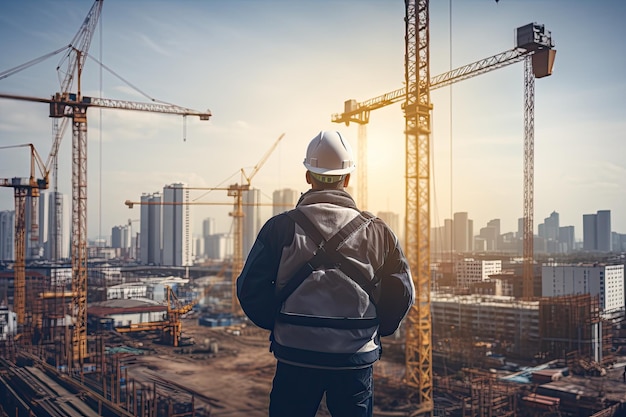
(327, 254)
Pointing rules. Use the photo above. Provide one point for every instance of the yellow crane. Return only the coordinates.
(536, 48)
(74, 106)
(23, 188)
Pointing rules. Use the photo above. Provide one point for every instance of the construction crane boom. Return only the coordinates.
(62, 105)
(353, 111)
(360, 112)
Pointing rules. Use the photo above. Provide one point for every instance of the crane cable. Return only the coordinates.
(30, 63)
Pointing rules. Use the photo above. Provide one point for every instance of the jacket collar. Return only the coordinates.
(337, 197)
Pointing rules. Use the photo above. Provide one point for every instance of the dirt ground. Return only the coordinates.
(230, 368)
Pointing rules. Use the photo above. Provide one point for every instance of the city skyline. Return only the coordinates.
(292, 75)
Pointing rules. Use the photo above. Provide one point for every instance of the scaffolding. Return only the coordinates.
(572, 328)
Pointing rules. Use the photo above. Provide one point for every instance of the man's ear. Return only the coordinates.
(308, 177)
(346, 180)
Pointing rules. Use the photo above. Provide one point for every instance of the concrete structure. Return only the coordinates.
(150, 229)
(475, 317)
(470, 271)
(177, 240)
(605, 281)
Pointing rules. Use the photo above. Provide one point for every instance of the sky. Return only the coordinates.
(268, 67)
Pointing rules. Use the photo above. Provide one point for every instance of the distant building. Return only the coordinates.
(150, 229)
(54, 232)
(283, 200)
(252, 220)
(463, 233)
(7, 235)
(597, 231)
(177, 237)
(605, 281)
(470, 271)
(566, 239)
(218, 246)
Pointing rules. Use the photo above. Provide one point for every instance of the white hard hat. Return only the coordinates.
(329, 154)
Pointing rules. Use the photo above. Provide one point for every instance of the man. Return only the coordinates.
(328, 280)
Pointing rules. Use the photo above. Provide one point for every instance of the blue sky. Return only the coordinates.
(276, 66)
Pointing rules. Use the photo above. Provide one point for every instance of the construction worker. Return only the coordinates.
(328, 280)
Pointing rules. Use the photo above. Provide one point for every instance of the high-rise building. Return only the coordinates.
(58, 236)
(120, 237)
(589, 232)
(252, 220)
(177, 238)
(605, 281)
(7, 235)
(284, 200)
(463, 238)
(566, 239)
(150, 229)
(603, 230)
(597, 231)
(219, 246)
(208, 226)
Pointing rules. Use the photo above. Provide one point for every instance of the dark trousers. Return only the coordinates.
(297, 391)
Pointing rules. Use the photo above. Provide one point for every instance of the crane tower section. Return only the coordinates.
(417, 109)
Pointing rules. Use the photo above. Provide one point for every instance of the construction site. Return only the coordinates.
(76, 341)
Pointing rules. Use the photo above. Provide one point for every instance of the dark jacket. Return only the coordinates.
(329, 320)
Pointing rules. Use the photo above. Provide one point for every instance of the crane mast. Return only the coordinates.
(76, 56)
(23, 188)
(417, 110)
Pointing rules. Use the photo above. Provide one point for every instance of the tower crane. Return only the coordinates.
(22, 188)
(234, 190)
(535, 46)
(75, 106)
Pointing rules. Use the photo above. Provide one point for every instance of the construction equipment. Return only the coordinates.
(73, 105)
(534, 44)
(171, 327)
(23, 188)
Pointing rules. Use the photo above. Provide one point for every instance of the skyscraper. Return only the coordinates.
(150, 229)
(462, 232)
(597, 231)
(58, 236)
(177, 237)
(603, 230)
(7, 235)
